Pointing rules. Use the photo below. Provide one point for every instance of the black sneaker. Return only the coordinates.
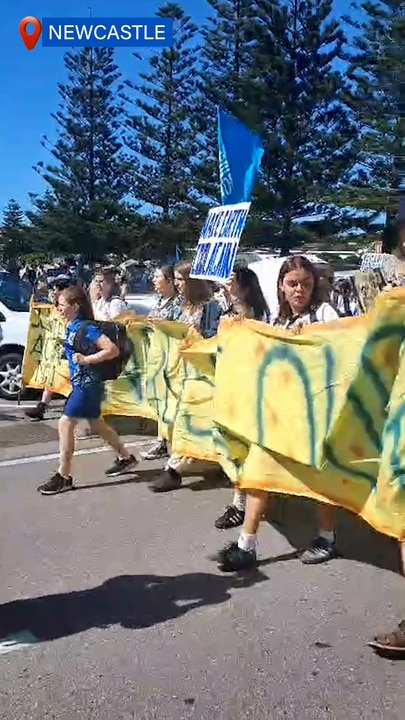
(157, 452)
(169, 480)
(36, 413)
(233, 559)
(57, 484)
(122, 466)
(231, 518)
(320, 551)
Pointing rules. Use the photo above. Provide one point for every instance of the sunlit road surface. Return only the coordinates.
(111, 608)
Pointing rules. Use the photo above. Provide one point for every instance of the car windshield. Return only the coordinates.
(14, 293)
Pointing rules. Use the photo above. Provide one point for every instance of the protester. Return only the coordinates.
(201, 312)
(41, 293)
(168, 307)
(245, 300)
(199, 309)
(38, 412)
(299, 305)
(110, 303)
(245, 296)
(95, 289)
(345, 300)
(84, 401)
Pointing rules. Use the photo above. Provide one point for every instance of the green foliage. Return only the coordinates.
(13, 232)
(308, 132)
(331, 118)
(377, 72)
(160, 131)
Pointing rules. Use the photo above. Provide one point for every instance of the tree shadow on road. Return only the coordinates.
(295, 518)
(131, 601)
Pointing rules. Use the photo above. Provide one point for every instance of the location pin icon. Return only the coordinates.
(30, 39)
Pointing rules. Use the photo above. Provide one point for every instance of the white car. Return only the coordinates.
(14, 322)
(13, 335)
(141, 303)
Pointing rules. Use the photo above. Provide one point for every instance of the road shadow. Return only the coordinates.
(212, 481)
(131, 601)
(295, 518)
(132, 425)
(8, 418)
(136, 477)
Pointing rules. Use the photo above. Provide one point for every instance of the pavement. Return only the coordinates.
(111, 609)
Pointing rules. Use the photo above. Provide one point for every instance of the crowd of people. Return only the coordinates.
(302, 300)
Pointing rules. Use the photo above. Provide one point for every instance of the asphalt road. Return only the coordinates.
(110, 608)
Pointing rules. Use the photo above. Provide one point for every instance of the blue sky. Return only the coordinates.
(28, 82)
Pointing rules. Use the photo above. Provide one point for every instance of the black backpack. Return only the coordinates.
(117, 333)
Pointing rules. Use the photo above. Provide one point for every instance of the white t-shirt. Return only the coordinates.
(105, 310)
(324, 313)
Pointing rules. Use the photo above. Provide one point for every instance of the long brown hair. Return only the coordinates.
(109, 275)
(196, 292)
(251, 292)
(296, 262)
(76, 295)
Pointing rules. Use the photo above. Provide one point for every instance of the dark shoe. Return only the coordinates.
(169, 480)
(231, 518)
(320, 551)
(233, 559)
(36, 413)
(57, 484)
(122, 466)
(157, 452)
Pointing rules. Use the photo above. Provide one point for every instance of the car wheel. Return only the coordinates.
(10, 375)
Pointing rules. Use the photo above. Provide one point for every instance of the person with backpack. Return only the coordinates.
(107, 303)
(95, 351)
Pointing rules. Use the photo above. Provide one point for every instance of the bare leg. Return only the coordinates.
(256, 506)
(108, 434)
(242, 555)
(325, 515)
(66, 444)
(46, 398)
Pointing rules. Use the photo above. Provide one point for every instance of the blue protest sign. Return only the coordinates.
(219, 241)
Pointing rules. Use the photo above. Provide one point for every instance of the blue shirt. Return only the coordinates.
(80, 375)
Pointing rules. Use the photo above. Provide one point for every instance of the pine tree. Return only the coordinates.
(91, 177)
(224, 80)
(308, 132)
(161, 131)
(377, 71)
(13, 232)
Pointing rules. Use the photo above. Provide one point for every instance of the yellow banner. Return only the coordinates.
(319, 415)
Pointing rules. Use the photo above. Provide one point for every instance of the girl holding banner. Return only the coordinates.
(299, 305)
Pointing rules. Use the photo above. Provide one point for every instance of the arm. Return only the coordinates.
(117, 307)
(107, 351)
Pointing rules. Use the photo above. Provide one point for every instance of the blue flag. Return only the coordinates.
(240, 155)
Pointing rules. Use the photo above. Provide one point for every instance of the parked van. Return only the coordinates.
(14, 321)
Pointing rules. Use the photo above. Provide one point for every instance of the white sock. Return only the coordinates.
(247, 542)
(239, 500)
(328, 535)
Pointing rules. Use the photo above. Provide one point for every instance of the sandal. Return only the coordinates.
(393, 642)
